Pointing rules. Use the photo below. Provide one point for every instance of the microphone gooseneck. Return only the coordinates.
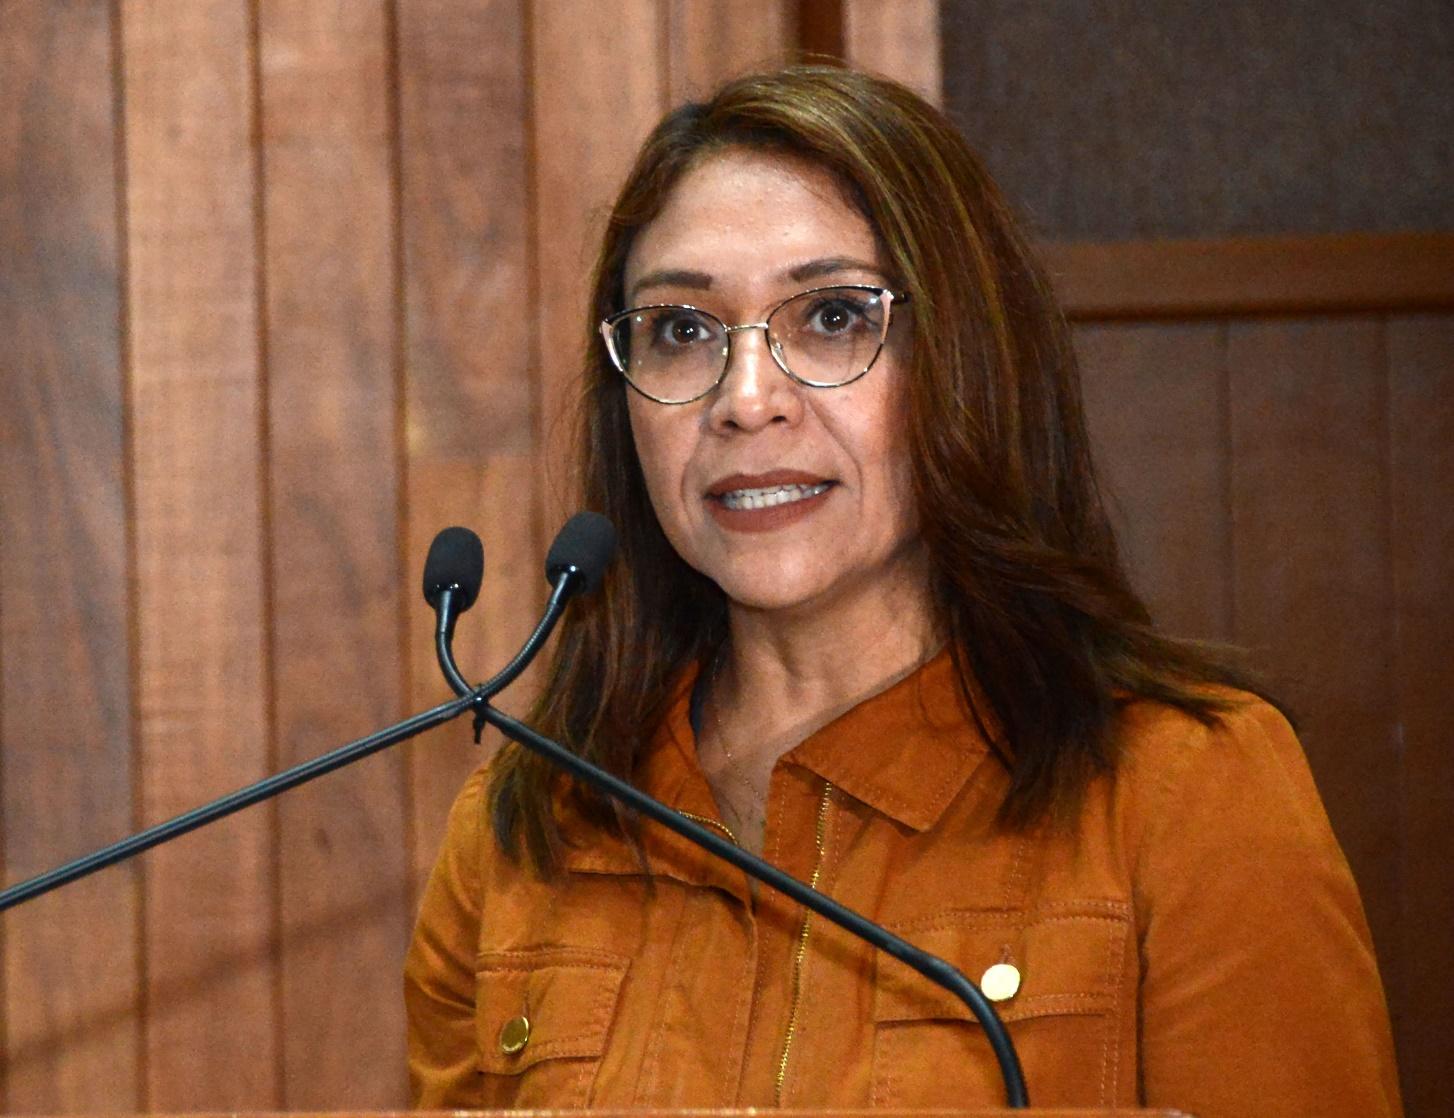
(575, 564)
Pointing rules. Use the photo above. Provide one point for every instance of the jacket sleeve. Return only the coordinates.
(1260, 992)
(439, 971)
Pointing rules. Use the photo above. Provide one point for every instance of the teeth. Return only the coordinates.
(774, 495)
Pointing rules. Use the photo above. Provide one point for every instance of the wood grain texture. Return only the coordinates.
(196, 403)
(69, 1030)
(334, 490)
(470, 400)
(1421, 454)
(1353, 272)
(1155, 397)
(709, 41)
(898, 40)
(1311, 566)
(585, 133)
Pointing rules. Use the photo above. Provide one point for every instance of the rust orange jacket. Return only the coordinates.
(1194, 941)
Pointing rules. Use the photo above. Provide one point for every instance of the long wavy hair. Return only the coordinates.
(1046, 634)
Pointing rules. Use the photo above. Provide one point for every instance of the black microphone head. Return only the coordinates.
(586, 544)
(456, 558)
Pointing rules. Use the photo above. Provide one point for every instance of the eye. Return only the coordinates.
(835, 317)
(837, 314)
(679, 328)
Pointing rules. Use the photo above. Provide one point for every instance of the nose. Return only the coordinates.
(754, 392)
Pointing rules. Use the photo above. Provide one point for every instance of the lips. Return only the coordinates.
(773, 479)
(761, 502)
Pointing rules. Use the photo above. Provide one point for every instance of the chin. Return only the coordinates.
(773, 600)
(774, 587)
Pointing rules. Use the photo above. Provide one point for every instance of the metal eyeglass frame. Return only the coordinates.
(887, 296)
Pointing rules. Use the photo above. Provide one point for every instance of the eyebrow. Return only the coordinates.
(831, 265)
(671, 277)
(702, 281)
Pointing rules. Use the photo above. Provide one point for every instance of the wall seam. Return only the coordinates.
(130, 543)
(265, 525)
(395, 95)
(1400, 981)
(534, 351)
(1228, 466)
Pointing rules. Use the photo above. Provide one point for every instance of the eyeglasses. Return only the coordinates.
(823, 338)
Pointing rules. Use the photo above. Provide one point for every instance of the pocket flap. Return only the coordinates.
(568, 995)
(1069, 959)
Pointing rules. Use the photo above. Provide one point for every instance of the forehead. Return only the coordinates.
(749, 218)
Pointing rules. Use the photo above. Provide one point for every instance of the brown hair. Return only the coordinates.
(1027, 584)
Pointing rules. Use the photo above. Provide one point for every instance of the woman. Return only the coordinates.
(869, 620)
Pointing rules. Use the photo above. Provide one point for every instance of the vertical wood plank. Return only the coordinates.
(898, 40)
(709, 41)
(196, 404)
(586, 131)
(819, 30)
(1311, 566)
(1155, 403)
(334, 487)
(1421, 429)
(69, 1033)
(469, 397)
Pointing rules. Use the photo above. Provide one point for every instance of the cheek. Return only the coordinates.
(885, 443)
(662, 456)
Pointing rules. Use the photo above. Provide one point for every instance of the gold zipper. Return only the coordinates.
(704, 821)
(802, 952)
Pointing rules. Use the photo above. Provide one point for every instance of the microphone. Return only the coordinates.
(582, 550)
(575, 564)
(454, 569)
(456, 561)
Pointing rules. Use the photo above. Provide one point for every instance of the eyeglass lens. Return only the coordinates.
(826, 337)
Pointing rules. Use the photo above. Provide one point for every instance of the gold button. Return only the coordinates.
(514, 1035)
(1001, 982)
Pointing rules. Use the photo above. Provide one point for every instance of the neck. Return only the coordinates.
(786, 674)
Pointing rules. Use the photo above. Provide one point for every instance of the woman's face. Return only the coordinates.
(741, 232)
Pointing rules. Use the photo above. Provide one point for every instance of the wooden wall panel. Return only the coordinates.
(330, 284)
(469, 407)
(68, 1032)
(1356, 273)
(898, 40)
(1155, 397)
(1311, 554)
(1420, 355)
(196, 406)
(585, 132)
(708, 41)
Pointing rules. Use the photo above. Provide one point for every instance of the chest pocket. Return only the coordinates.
(542, 1019)
(1065, 1018)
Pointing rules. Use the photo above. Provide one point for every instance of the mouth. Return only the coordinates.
(758, 502)
(770, 496)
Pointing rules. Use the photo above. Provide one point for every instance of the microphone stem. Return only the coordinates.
(930, 966)
(444, 618)
(234, 801)
(565, 586)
